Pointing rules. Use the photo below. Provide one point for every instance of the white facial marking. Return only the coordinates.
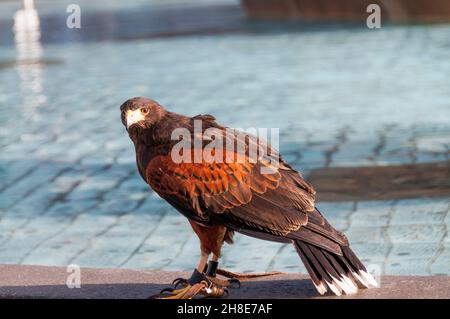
(134, 117)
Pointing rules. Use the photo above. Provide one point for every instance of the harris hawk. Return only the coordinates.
(234, 189)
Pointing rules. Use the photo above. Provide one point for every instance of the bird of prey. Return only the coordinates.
(235, 191)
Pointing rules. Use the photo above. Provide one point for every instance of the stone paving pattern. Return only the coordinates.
(70, 192)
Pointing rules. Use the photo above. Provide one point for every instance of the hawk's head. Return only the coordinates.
(140, 112)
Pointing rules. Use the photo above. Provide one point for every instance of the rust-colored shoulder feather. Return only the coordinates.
(239, 192)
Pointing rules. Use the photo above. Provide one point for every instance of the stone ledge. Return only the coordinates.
(25, 281)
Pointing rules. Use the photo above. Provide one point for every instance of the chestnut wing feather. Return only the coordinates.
(276, 206)
(237, 193)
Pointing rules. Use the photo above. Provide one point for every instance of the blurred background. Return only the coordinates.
(344, 97)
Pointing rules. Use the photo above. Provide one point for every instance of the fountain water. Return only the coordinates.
(26, 19)
(29, 50)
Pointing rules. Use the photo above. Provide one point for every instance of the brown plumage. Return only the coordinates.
(225, 195)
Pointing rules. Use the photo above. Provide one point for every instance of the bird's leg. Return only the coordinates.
(234, 279)
(202, 263)
(197, 284)
(211, 273)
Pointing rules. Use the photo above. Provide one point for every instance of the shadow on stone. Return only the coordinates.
(256, 289)
(382, 182)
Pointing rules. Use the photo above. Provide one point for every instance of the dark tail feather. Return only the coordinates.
(340, 274)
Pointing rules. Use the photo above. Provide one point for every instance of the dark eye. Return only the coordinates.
(144, 110)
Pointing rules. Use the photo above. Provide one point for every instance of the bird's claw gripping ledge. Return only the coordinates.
(206, 283)
(177, 282)
(211, 273)
(198, 284)
(228, 283)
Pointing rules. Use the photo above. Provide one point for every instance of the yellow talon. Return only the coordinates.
(178, 293)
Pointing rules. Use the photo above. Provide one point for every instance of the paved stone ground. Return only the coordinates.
(341, 96)
(25, 281)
